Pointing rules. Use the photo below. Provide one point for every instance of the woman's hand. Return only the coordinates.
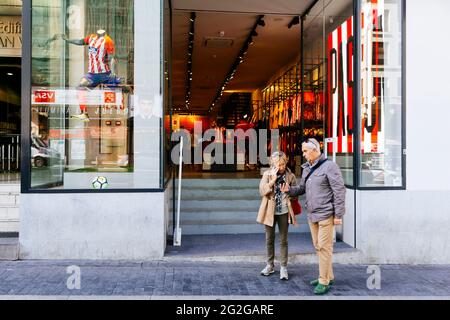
(295, 222)
(285, 188)
(337, 222)
(273, 175)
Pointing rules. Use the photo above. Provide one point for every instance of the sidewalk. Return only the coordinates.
(203, 280)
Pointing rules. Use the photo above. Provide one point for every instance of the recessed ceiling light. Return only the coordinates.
(10, 74)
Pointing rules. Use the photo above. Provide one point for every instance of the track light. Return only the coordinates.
(294, 22)
(261, 22)
(189, 62)
(239, 59)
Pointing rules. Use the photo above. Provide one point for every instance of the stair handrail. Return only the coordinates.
(177, 234)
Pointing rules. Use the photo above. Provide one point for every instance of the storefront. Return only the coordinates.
(10, 114)
(317, 96)
(94, 96)
(96, 179)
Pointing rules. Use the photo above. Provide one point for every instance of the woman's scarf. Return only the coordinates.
(281, 179)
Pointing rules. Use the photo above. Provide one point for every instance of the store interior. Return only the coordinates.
(10, 90)
(234, 70)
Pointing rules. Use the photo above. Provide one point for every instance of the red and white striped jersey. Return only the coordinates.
(99, 50)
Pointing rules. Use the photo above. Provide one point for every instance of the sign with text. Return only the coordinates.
(10, 36)
(50, 96)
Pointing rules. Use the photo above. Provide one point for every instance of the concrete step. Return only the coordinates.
(206, 216)
(9, 225)
(9, 188)
(211, 229)
(220, 183)
(9, 203)
(8, 200)
(9, 249)
(252, 248)
(216, 194)
(218, 215)
(9, 213)
(350, 257)
(220, 205)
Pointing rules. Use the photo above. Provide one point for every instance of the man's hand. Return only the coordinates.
(337, 222)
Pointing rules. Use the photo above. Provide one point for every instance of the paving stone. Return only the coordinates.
(48, 278)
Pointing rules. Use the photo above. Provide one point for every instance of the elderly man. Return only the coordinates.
(325, 202)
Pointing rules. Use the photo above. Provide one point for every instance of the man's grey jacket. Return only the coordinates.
(325, 191)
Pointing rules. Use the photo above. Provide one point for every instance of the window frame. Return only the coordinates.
(26, 118)
(357, 105)
(357, 155)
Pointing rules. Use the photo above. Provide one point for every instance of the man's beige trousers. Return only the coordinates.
(323, 240)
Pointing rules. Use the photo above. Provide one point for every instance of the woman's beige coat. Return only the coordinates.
(266, 214)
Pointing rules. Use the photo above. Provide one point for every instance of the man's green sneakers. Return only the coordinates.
(315, 283)
(321, 289)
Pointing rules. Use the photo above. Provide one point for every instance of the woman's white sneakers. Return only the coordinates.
(268, 270)
(284, 274)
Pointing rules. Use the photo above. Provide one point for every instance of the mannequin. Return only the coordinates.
(102, 66)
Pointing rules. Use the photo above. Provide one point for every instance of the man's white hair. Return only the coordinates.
(312, 144)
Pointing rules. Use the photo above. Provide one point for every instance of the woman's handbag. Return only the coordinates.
(296, 207)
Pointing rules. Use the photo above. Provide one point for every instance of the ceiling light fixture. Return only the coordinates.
(190, 55)
(294, 22)
(238, 61)
(261, 22)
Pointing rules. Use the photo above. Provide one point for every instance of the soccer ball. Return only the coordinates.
(100, 183)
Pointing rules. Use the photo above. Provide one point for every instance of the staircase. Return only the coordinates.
(9, 221)
(9, 249)
(223, 206)
(9, 208)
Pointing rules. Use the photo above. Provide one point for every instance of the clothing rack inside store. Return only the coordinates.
(297, 118)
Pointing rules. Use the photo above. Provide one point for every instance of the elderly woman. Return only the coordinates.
(276, 209)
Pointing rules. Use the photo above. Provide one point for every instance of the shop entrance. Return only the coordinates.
(248, 68)
(10, 114)
(10, 106)
(234, 70)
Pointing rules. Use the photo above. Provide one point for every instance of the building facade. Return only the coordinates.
(386, 106)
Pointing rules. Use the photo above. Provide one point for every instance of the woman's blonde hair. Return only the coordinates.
(278, 157)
